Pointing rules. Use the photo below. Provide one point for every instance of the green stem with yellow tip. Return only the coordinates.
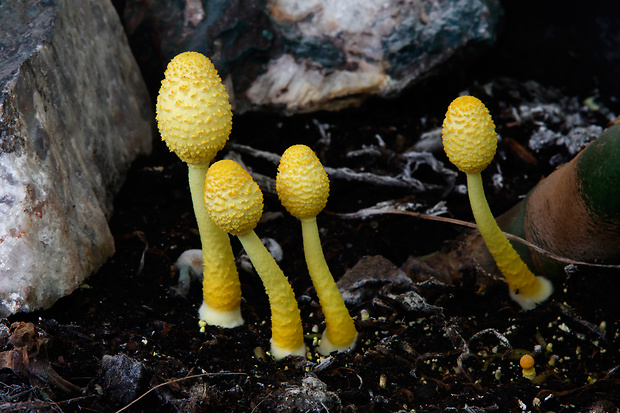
(522, 282)
(286, 330)
(221, 287)
(340, 331)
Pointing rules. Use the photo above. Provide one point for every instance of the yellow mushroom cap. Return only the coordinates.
(302, 183)
(469, 137)
(193, 113)
(526, 361)
(232, 198)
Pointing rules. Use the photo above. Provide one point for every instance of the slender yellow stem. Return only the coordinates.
(340, 332)
(520, 279)
(221, 287)
(286, 331)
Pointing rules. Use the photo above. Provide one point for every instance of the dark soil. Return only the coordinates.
(459, 353)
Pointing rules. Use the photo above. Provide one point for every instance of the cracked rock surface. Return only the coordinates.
(74, 113)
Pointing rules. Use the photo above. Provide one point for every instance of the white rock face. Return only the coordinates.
(297, 56)
(299, 87)
(337, 52)
(74, 113)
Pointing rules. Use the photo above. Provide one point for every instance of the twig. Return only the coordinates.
(451, 331)
(256, 153)
(372, 211)
(594, 329)
(348, 174)
(494, 332)
(174, 381)
(369, 212)
(42, 405)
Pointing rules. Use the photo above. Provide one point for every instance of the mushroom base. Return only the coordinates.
(278, 353)
(529, 301)
(326, 347)
(226, 319)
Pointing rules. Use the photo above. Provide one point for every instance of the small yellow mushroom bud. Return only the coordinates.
(527, 364)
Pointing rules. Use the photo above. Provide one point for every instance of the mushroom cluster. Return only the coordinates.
(194, 119)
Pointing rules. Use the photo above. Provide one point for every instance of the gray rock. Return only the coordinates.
(339, 52)
(293, 56)
(311, 396)
(370, 277)
(122, 378)
(413, 302)
(74, 113)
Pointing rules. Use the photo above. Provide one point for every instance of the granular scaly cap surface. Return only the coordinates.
(302, 183)
(232, 198)
(194, 116)
(469, 137)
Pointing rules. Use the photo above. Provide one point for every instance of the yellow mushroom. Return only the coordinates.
(195, 119)
(470, 142)
(303, 188)
(235, 203)
(527, 364)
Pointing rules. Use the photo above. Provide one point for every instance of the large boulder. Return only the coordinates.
(293, 56)
(74, 113)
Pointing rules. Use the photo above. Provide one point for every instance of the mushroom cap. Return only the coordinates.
(302, 183)
(526, 361)
(469, 137)
(194, 116)
(232, 198)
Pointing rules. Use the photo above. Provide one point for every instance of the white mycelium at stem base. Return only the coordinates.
(470, 142)
(195, 119)
(303, 189)
(235, 203)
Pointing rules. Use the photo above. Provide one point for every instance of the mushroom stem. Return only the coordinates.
(221, 288)
(287, 334)
(340, 332)
(525, 288)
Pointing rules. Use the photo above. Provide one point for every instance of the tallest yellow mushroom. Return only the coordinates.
(470, 141)
(195, 119)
